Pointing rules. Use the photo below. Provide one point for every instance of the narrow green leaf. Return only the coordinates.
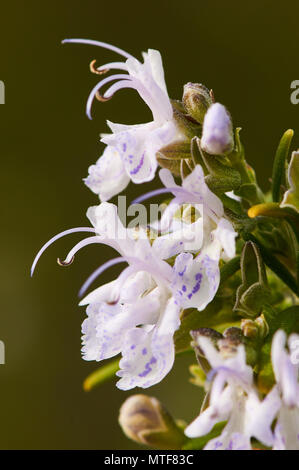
(101, 375)
(291, 197)
(279, 163)
(274, 264)
(229, 268)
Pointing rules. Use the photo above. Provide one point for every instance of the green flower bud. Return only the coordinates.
(196, 99)
(255, 328)
(144, 420)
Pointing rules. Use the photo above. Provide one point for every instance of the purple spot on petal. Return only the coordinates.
(139, 166)
(183, 272)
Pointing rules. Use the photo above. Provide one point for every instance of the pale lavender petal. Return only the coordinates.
(217, 134)
(148, 353)
(108, 176)
(104, 330)
(195, 281)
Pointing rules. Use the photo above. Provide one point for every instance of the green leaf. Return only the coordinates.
(222, 177)
(229, 269)
(101, 375)
(175, 151)
(279, 163)
(172, 165)
(249, 192)
(291, 197)
(274, 264)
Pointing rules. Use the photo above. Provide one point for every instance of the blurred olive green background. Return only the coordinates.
(247, 52)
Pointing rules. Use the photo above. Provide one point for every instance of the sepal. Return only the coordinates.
(197, 99)
(253, 293)
(291, 196)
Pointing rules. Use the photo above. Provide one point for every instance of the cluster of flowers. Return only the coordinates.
(233, 397)
(137, 314)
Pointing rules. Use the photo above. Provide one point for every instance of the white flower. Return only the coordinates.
(217, 133)
(212, 233)
(138, 313)
(233, 399)
(136, 145)
(285, 366)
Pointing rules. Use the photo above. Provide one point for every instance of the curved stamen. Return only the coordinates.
(81, 244)
(53, 239)
(118, 86)
(104, 45)
(136, 84)
(114, 65)
(99, 271)
(96, 89)
(97, 71)
(156, 192)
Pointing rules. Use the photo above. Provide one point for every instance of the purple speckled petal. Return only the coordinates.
(148, 352)
(236, 441)
(195, 281)
(105, 328)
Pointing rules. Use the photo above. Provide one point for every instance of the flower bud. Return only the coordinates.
(144, 420)
(232, 338)
(255, 328)
(196, 99)
(217, 135)
(213, 335)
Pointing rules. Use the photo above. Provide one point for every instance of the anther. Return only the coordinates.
(101, 98)
(65, 263)
(93, 68)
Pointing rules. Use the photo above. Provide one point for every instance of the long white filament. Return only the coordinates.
(104, 45)
(57, 237)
